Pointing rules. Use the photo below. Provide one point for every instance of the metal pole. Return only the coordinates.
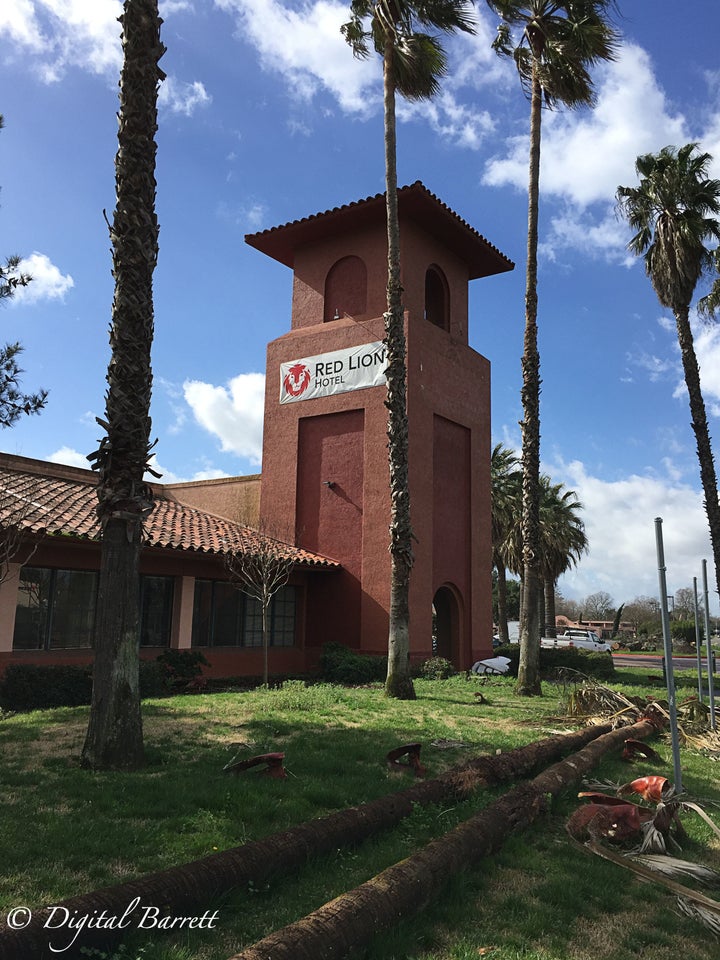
(698, 644)
(672, 708)
(708, 647)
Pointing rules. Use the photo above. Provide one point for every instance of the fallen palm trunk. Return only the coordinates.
(185, 887)
(402, 890)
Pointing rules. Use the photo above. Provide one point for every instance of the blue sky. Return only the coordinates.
(266, 117)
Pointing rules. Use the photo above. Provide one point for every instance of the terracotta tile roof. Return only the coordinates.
(415, 201)
(61, 502)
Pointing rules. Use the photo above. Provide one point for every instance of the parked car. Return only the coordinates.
(582, 639)
(493, 665)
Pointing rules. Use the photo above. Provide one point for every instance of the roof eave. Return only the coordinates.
(415, 201)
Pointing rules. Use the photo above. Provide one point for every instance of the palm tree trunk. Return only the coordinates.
(708, 476)
(114, 738)
(503, 631)
(398, 683)
(528, 683)
(353, 919)
(190, 886)
(550, 624)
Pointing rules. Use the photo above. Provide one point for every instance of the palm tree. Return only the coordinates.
(114, 736)
(505, 495)
(562, 541)
(558, 42)
(710, 304)
(413, 64)
(673, 212)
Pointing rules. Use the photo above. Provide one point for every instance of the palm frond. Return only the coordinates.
(708, 916)
(556, 44)
(420, 63)
(688, 805)
(677, 869)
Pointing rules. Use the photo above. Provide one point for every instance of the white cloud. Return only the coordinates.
(461, 124)
(249, 215)
(48, 283)
(707, 347)
(65, 33)
(184, 98)
(85, 34)
(304, 45)
(619, 520)
(70, 457)
(167, 476)
(73, 458)
(169, 7)
(665, 362)
(579, 231)
(585, 156)
(19, 24)
(234, 414)
(656, 368)
(473, 66)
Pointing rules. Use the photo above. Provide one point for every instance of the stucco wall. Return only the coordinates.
(235, 498)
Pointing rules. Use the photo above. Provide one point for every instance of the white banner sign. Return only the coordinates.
(337, 372)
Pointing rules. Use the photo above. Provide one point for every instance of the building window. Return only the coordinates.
(345, 289)
(224, 616)
(56, 609)
(283, 618)
(217, 612)
(436, 298)
(156, 606)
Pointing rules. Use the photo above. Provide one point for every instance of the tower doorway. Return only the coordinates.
(446, 625)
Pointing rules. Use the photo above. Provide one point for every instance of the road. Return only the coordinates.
(655, 661)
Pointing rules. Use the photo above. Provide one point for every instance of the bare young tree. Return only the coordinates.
(260, 570)
(684, 605)
(598, 606)
(18, 500)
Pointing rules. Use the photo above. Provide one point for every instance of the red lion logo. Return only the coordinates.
(296, 380)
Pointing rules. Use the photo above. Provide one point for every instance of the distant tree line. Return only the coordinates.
(643, 613)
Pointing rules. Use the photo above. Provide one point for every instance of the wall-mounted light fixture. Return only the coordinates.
(329, 483)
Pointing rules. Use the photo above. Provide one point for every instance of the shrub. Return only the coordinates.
(29, 686)
(437, 668)
(182, 668)
(684, 630)
(26, 686)
(587, 662)
(339, 664)
(153, 682)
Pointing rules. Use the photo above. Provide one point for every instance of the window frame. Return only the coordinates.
(48, 617)
(248, 633)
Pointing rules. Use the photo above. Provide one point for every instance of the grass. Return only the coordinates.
(67, 831)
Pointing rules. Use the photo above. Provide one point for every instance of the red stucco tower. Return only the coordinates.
(325, 471)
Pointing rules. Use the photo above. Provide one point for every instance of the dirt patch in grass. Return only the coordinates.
(514, 885)
(616, 936)
(52, 741)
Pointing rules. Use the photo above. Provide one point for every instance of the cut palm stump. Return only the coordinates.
(273, 763)
(412, 752)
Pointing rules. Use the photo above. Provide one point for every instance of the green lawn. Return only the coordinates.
(67, 831)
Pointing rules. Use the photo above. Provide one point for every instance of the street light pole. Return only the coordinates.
(667, 645)
(708, 646)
